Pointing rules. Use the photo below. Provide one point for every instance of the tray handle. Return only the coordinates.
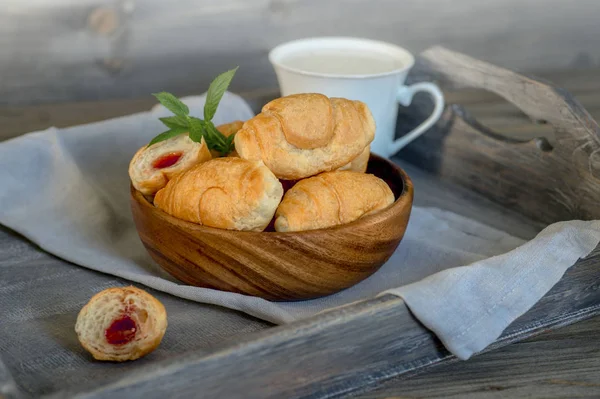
(547, 183)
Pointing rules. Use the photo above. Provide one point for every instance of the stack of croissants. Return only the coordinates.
(315, 147)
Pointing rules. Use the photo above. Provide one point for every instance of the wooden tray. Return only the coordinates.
(514, 184)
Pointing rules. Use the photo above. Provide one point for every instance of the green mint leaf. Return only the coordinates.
(229, 142)
(197, 130)
(215, 134)
(167, 135)
(172, 103)
(213, 138)
(217, 88)
(173, 122)
(200, 124)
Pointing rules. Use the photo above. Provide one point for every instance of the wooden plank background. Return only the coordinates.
(72, 50)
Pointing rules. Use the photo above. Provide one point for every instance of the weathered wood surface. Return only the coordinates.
(213, 330)
(8, 386)
(40, 297)
(338, 352)
(44, 308)
(70, 50)
(564, 173)
(560, 364)
(52, 304)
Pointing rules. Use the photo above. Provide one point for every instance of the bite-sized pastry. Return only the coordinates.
(304, 134)
(228, 193)
(152, 167)
(119, 324)
(330, 199)
(227, 129)
(360, 163)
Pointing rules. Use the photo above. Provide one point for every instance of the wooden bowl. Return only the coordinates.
(273, 265)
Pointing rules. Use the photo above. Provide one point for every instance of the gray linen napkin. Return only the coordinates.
(67, 190)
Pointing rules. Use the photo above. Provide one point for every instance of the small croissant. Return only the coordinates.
(228, 193)
(301, 135)
(152, 167)
(121, 323)
(330, 199)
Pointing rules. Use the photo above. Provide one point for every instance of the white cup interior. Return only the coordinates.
(384, 58)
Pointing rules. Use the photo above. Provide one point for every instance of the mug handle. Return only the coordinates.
(404, 97)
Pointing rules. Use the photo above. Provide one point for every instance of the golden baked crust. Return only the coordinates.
(148, 179)
(227, 129)
(300, 135)
(330, 199)
(96, 319)
(360, 163)
(228, 193)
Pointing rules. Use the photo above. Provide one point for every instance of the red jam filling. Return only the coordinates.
(167, 160)
(121, 331)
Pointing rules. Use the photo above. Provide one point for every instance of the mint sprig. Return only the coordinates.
(197, 128)
(174, 121)
(167, 135)
(217, 88)
(172, 103)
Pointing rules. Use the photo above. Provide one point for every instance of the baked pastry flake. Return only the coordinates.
(360, 163)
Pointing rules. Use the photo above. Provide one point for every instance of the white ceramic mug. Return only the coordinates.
(371, 71)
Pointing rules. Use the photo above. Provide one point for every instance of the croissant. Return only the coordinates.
(360, 163)
(229, 193)
(227, 129)
(300, 135)
(152, 167)
(120, 324)
(330, 199)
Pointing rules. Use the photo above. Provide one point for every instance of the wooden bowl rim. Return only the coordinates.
(405, 195)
